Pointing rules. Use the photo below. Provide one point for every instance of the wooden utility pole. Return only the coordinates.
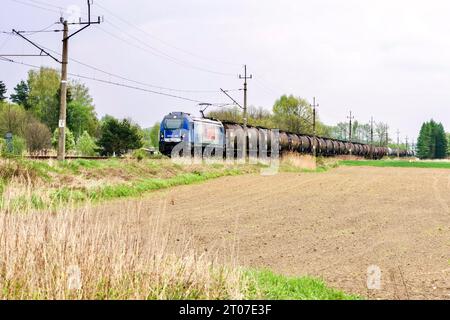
(245, 77)
(63, 95)
(314, 106)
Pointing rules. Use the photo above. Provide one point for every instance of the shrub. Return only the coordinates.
(38, 137)
(17, 148)
(86, 145)
(70, 140)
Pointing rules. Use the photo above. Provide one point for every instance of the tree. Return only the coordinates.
(448, 143)
(80, 118)
(119, 137)
(154, 135)
(2, 91)
(70, 141)
(38, 137)
(151, 136)
(43, 99)
(293, 114)
(86, 146)
(432, 142)
(13, 118)
(20, 95)
(81, 114)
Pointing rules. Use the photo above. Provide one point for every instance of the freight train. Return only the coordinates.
(182, 128)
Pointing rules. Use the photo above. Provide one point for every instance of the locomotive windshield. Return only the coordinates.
(173, 124)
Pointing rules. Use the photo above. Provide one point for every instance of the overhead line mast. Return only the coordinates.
(245, 77)
(63, 92)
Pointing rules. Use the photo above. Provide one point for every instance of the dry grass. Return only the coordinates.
(299, 161)
(45, 255)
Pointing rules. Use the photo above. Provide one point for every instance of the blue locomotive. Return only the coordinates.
(182, 128)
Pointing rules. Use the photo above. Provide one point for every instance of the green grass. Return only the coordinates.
(271, 286)
(396, 164)
(137, 188)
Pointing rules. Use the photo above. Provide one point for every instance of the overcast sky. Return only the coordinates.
(386, 59)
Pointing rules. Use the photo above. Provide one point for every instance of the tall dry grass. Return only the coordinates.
(86, 253)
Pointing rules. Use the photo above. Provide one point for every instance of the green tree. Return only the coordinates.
(80, 118)
(448, 143)
(13, 118)
(70, 140)
(293, 114)
(86, 145)
(43, 99)
(119, 137)
(2, 91)
(81, 114)
(432, 142)
(20, 95)
(154, 135)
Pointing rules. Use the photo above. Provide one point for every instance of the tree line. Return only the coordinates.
(31, 115)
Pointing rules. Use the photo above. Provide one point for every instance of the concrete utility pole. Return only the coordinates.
(350, 130)
(407, 145)
(314, 106)
(398, 143)
(245, 77)
(63, 95)
(387, 136)
(371, 137)
(65, 60)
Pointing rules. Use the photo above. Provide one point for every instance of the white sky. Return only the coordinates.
(387, 59)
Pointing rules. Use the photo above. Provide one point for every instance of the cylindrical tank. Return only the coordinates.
(295, 142)
(284, 141)
(306, 144)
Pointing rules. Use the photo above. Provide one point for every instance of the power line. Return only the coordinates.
(135, 81)
(35, 6)
(162, 41)
(117, 84)
(158, 53)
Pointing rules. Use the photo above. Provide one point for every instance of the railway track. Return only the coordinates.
(68, 158)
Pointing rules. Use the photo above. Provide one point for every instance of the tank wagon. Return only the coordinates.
(179, 127)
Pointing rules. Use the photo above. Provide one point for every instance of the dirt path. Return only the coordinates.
(331, 225)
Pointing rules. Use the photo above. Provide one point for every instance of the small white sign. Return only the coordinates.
(62, 124)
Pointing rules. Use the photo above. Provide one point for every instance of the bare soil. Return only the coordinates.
(331, 225)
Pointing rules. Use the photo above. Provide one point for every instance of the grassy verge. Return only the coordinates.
(26, 184)
(271, 286)
(30, 184)
(396, 164)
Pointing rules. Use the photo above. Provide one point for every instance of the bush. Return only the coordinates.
(140, 154)
(70, 140)
(38, 137)
(86, 145)
(17, 148)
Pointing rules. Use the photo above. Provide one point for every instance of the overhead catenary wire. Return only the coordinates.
(35, 6)
(132, 80)
(116, 83)
(160, 40)
(159, 53)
